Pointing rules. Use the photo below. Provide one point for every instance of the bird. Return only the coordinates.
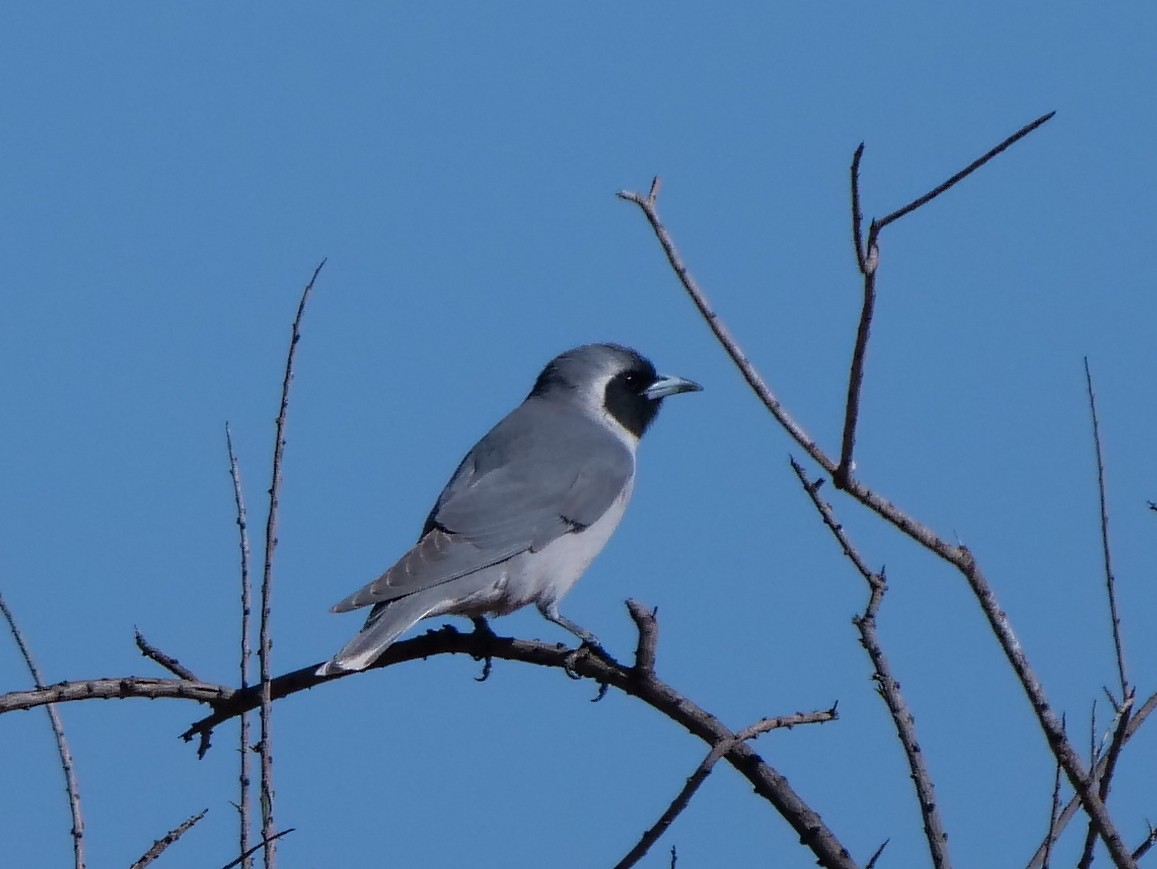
(528, 508)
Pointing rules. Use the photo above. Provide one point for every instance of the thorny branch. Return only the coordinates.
(71, 787)
(228, 703)
(243, 822)
(886, 683)
(1106, 552)
(264, 642)
(167, 661)
(1040, 859)
(683, 798)
(159, 846)
(958, 556)
(1054, 814)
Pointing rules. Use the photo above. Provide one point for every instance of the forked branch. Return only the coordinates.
(683, 798)
(480, 645)
(867, 259)
(958, 556)
(886, 683)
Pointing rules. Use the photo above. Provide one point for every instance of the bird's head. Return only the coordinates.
(613, 380)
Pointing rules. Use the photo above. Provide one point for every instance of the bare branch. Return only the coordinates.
(683, 798)
(856, 372)
(1103, 773)
(265, 643)
(167, 661)
(875, 857)
(1110, 582)
(245, 855)
(243, 820)
(1150, 840)
(648, 627)
(918, 532)
(168, 839)
(1086, 858)
(961, 175)
(228, 703)
(1054, 816)
(886, 683)
(121, 688)
(71, 787)
(1038, 860)
(813, 833)
(648, 204)
(858, 212)
(867, 259)
(959, 556)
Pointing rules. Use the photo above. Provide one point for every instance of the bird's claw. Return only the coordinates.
(483, 634)
(585, 648)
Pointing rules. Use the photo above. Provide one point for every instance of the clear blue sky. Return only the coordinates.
(170, 176)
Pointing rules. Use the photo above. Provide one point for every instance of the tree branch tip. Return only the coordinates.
(875, 857)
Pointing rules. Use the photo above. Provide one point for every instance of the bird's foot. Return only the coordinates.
(483, 635)
(585, 648)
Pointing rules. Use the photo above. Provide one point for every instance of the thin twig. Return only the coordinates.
(959, 556)
(1054, 815)
(648, 627)
(121, 688)
(265, 643)
(867, 259)
(856, 374)
(871, 864)
(1104, 772)
(168, 839)
(648, 205)
(1086, 858)
(1150, 840)
(167, 661)
(721, 748)
(1110, 582)
(243, 820)
(71, 787)
(245, 855)
(886, 683)
(961, 175)
(1038, 859)
(857, 211)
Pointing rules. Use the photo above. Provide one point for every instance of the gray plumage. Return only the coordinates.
(528, 508)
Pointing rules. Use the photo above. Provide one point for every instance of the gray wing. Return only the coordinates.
(542, 472)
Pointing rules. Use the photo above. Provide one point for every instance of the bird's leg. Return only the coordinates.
(550, 613)
(482, 627)
(484, 633)
(589, 641)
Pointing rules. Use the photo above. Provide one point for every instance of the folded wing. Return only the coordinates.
(512, 493)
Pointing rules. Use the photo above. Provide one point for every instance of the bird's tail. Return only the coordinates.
(386, 623)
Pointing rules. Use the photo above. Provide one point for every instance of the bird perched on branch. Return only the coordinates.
(528, 508)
